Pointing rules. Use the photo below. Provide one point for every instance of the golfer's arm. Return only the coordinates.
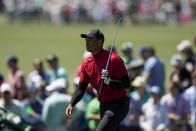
(79, 93)
(121, 83)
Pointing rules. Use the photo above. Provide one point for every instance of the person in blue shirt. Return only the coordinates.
(154, 69)
(32, 109)
(57, 71)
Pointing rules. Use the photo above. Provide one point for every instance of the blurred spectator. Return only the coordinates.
(168, 12)
(37, 12)
(190, 96)
(113, 49)
(32, 109)
(127, 50)
(1, 79)
(186, 48)
(140, 93)
(180, 74)
(38, 70)
(185, 11)
(154, 70)
(178, 9)
(154, 116)
(9, 103)
(54, 107)
(143, 52)
(178, 108)
(53, 9)
(101, 11)
(193, 7)
(92, 114)
(26, 8)
(135, 68)
(10, 9)
(40, 85)
(57, 71)
(1, 6)
(132, 10)
(16, 78)
(131, 121)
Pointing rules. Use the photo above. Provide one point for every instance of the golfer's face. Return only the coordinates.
(91, 44)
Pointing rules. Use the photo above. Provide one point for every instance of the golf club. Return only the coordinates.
(119, 19)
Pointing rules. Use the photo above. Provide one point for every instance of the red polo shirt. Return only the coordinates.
(91, 73)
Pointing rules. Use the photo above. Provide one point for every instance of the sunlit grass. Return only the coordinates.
(29, 41)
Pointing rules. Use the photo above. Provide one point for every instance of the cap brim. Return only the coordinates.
(83, 35)
(87, 35)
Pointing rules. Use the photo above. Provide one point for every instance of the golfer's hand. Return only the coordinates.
(68, 111)
(105, 77)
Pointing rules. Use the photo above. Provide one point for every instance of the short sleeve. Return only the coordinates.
(84, 77)
(148, 66)
(119, 68)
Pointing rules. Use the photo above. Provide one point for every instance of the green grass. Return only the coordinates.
(29, 41)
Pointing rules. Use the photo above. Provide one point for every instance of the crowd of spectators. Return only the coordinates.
(100, 11)
(41, 99)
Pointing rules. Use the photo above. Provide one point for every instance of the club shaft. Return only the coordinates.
(108, 61)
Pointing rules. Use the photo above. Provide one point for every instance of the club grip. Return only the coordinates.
(101, 86)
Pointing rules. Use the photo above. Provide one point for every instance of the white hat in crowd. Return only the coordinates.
(56, 85)
(5, 87)
(128, 46)
(139, 81)
(184, 44)
(176, 60)
(155, 90)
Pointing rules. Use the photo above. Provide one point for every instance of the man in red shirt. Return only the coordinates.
(114, 102)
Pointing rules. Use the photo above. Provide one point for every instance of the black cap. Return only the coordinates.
(94, 33)
(52, 57)
(12, 58)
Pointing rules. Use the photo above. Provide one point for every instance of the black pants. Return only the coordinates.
(112, 113)
(129, 128)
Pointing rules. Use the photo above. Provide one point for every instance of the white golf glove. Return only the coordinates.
(105, 77)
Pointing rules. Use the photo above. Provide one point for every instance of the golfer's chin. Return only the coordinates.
(91, 50)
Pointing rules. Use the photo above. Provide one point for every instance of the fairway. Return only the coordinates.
(29, 41)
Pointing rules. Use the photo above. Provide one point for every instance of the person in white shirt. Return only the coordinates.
(190, 95)
(8, 103)
(154, 116)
